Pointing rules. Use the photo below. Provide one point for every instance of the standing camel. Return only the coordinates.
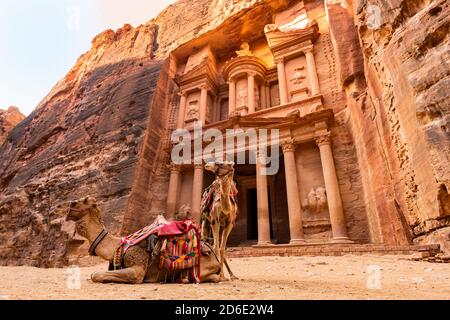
(139, 265)
(219, 210)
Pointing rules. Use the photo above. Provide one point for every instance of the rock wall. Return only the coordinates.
(398, 110)
(9, 118)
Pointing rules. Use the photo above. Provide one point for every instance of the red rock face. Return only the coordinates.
(8, 120)
(398, 112)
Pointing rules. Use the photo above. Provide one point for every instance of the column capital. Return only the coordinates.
(174, 168)
(279, 60)
(251, 74)
(231, 81)
(198, 166)
(288, 146)
(182, 93)
(324, 139)
(204, 87)
(308, 49)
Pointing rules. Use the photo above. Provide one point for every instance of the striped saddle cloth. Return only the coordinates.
(180, 245)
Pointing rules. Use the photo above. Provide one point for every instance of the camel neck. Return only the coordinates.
(91, 230)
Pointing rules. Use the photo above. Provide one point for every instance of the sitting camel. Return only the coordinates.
(219, 210)
(138, 264)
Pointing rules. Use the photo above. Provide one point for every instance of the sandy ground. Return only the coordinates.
(347, 277)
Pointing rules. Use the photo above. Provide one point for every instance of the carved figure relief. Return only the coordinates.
(245, 50)
(316, 201)
(243, 98)
(257, 98)
(315, 108)
(193, 111)
(275, 95)
(298, 77)
(270, 28)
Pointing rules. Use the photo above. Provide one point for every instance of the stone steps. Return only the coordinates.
(329, 250)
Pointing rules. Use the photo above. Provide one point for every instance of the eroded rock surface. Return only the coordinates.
(9, 118)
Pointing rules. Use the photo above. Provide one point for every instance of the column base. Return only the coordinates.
(263, 244)
(294, 242)
(341, 240)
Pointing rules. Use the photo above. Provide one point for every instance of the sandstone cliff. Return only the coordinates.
(8, 120)
(88, 134)
(396, 76)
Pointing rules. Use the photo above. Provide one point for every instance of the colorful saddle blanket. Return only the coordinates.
(180, 249)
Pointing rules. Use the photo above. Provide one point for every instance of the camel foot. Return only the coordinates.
(234, 278)
(223, 278)
(185, 281)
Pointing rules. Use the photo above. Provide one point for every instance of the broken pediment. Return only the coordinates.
(279, 40)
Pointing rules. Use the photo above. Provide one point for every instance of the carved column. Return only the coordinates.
(263, 202)
(312, 71)
(182, 110)
(267, 89)
(337, 217)
(203, 103)
(282, 81)
(232, 96)
(251, 92)
(174, 182)
(262, 96)
(197, 188)
(293, 193)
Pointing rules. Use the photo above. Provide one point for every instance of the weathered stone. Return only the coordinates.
(8, 120)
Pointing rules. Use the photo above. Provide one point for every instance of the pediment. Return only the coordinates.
(278, 39)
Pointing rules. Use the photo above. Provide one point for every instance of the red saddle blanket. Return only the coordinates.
(181, 248)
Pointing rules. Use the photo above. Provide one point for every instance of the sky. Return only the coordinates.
(42, 39)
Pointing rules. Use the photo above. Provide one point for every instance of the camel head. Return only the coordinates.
(77, 210)
(220, 168)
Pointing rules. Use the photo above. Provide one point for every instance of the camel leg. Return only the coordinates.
(216, 234)
(223, 249)
(133, 275)
(214, 278)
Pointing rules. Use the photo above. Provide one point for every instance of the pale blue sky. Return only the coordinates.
(42, 39)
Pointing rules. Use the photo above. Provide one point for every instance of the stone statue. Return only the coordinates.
(245, 50)
(316, 202)
(270, 28)
(298, 78)
(243, 98)
(321, 197)
(193, 112)
(257, 98)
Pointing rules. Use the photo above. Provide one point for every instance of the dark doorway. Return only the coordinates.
(252, 215)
